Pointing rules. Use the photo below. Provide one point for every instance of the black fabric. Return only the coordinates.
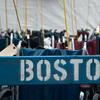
(2, 44)
(98, 45)
(6, 41)
(49, 92)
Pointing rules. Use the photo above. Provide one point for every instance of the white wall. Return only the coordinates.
(53, 14)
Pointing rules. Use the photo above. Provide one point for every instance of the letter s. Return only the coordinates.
(58, 68)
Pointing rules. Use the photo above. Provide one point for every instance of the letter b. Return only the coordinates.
(25, 70)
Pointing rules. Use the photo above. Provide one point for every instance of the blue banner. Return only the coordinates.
(50, 70)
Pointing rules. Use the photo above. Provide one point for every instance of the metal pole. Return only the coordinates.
(66, 24)
(26, 12)
(17, 14)
(6, 14)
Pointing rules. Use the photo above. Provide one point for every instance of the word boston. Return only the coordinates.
(60, 70)
(50, 70)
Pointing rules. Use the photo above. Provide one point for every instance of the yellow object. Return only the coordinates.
(66, 24)
(65, 17)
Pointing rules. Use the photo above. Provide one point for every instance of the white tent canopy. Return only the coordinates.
(85, 14)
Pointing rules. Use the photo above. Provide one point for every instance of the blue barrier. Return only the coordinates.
(49, 70)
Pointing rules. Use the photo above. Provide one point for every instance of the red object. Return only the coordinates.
(78, 45)
(91, 46)
(61, 45)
